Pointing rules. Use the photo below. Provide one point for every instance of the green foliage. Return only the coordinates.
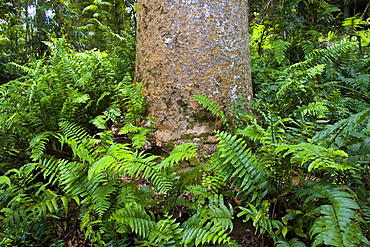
(211, 106)
(234, 162)
(26, 25)
(260, 217)
(76, 161)
(66, 87)
(209, 225)
(314, 157)
(336, 224)
(311, 127)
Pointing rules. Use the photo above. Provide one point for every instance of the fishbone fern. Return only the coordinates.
(336, 223)
(235, 162)
(211, 106)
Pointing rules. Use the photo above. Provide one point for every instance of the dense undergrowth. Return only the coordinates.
(76, 168)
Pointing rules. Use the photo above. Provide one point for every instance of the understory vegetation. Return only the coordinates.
(79, 168)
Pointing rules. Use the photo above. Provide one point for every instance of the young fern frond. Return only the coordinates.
(335, 223)
(211, 106)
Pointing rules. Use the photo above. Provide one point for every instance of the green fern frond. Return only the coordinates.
(335, 224)
(129, 128)
(360, 82)
(209, 225)
(209, 233)
(134, 100)
(253, 131)
(211, 106)
(331, 54)
(213, 182)
(52, 203)
(318, 157)
(344, 128)
(315, 71)
(101, 197)
(107, 161)
(38, 144)
(184, 151)
(307, 46)
(144, 166)
(236, 162)
(73, 131)
(82, 145)
(292, 243)
(200, 193)
(313, 109)
(134, 218)
(137, 134)
(166, 232)
(219, 213)
(280, 47)
(259, 215)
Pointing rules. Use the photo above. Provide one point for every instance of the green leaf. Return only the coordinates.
(5, 180)
(100, 165)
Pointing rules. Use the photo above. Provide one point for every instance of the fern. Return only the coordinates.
(313, 109)
(318, 157)
(235, 162)
(332, 53)
(292, 243)
(260, 217)
(166, 232)
(344, 129)
(209, 225)
(211, 106)
(137, 134)
(133, 99)
(27, 206)
(280, 47)
(134, 218)
(38, 144)
(253, 131)
(184, 151)
(335, 224)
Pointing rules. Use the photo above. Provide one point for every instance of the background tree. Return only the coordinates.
(190, 48)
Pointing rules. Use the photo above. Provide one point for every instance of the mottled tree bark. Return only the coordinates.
(190, 47)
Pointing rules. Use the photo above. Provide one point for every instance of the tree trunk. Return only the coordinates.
(190, 47)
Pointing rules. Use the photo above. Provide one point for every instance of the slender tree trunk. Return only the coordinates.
(190, 47)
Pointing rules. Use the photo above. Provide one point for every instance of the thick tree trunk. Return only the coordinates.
(190, 47)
